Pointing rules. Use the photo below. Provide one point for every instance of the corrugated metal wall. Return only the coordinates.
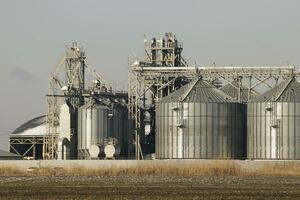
(97, 123)
(273, 130)
(93, 126)
(200, 130)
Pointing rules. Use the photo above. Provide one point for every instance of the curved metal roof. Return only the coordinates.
(232, 91)
(198, 91)
(286, 91)
(33, 127)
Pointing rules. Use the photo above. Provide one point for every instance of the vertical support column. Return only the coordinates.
(239, 88)
(249, 88)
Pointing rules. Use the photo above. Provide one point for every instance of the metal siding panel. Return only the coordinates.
(285, 126)
(297, 131)
(191, 131)
(263, 131)
(233, 131)
(249, 129)
(268, 135)
(212, 131)
(291, 138)
(209, 128)
(197, 125)
(169, 130)
(223, 130)
(159, 123)
(203, 131)
(174, 132)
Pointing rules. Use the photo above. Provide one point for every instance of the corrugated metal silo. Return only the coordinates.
(200, 121)
(98, 124)
(274, 123)
(93, 127)
(119, 128)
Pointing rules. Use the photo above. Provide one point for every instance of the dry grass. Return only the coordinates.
(286, 169)
(213, 168)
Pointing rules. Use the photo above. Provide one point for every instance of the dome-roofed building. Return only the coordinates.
(27, 139)
(200, 121)
(274, 123)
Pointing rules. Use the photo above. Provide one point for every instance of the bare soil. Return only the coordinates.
(150, 187)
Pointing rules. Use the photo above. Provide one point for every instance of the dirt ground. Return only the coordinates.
(149, 187)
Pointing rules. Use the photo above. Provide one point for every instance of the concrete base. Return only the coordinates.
(93, 164)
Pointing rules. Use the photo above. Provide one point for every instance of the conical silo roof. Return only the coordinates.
(286, 91)
(232, 91)
(198, 91)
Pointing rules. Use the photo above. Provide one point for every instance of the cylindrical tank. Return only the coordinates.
(97, 123)
(119, 128)
(199, 121)
(93, 127)
(274, 123)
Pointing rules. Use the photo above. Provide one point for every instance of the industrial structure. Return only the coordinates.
(273, 123)
(200, 121)
(171, 109)
(27, 140)
(158, 75)
(100, 126)
(55, 136)
(238, 92)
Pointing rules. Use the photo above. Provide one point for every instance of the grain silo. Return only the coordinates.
(274, 123)
(100, 125)
(200, 121)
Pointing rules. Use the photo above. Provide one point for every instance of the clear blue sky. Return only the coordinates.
(33, 34)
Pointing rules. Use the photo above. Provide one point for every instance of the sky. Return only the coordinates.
(33, 35)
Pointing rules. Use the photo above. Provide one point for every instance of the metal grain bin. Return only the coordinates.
(93, 127)
(98, 124)
(119, 128)
(274, 123)
(200, 121)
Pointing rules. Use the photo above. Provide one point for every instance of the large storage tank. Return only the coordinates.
(274, 123)
(99, 124)
(200, 121)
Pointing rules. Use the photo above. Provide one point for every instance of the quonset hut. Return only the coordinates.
(200, 121)
(274, 123)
